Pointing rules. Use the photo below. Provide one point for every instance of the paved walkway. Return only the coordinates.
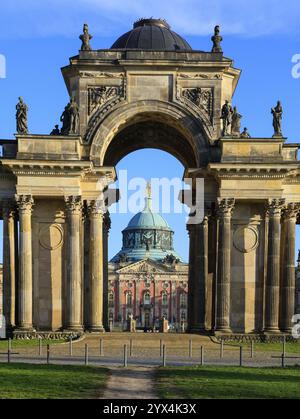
(130, 383)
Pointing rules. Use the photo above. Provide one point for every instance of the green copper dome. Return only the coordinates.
(147, 219)
(147, 236)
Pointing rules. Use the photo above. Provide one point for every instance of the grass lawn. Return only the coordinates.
(27, 343)
(291, 348)
(24, 381)
(228, 383)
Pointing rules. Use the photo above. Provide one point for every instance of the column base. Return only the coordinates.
(73, 328)
(95, 329)
(223, 331)
(272, 331)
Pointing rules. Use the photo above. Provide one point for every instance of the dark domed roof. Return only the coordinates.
(152, 34)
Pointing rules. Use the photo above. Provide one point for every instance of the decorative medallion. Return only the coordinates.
(245, 239)
(51, 236)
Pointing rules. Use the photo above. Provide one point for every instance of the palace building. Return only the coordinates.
(151, 89)
(147, 278)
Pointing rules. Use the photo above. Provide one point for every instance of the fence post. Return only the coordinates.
(252, 349)
(283, 360)
(101, 347)
(71, 346)
(164, 355)
(130, 347)
(9, 347)
(48, 354)
(190, 349)
(241, 356)
(86, 354)
(8, 356)
(201, 356)
(40, 346)
(161, 348)
(125, 360)
(222, 349)
(284, 345)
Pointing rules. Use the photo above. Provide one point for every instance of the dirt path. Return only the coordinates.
(130, 383)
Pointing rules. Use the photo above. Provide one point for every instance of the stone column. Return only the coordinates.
(96, 267)
(74, 272)
(288, 287)
(274, 209)
(25, 205)
(192, 300)
(9, 268)
(225, 207)
(106, 229)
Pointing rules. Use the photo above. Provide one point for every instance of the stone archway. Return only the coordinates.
(183, 135)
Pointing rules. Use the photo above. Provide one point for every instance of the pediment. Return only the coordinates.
(144, 267)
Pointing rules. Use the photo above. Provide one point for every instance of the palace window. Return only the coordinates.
(183, 300)
(147, 298)
(129, 299)
(164, 298)
(111, 299)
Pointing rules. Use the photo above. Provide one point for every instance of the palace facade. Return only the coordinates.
(147, 278)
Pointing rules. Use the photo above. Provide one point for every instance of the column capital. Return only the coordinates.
(274, 207)
(291, 211)
(74, 204)
(225, 207)
(25, 203)
(95, 208)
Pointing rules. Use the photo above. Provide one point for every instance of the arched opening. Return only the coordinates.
(138, 263)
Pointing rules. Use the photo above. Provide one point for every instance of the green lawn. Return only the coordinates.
(228, 383)
(27, 343)
(24, 381)
(291, 348)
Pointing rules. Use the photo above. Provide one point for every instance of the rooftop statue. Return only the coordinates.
(236, 123)
(55, 130)
(245, 133)
(226, 116)
(21, 117)
(70, 118)
(85, 38)
(217, 39)
(277, 119)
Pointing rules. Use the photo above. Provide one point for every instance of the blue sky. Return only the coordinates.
(38, 37)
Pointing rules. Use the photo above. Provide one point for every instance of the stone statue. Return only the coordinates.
(65, 119)
(74, 117)
(277, 119)
(21, 117)
(236, 123)
(55, 131)
(226, 116)
(70, 118)
(217, 39)
(85, 38)
(245, 133)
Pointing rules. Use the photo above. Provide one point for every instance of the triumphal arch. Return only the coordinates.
(150, 89)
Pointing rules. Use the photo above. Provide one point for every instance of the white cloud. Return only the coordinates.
(45, 18)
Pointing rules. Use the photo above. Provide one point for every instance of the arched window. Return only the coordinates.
(164, 298)
(111, 299)
(147, 298)
(183, 300)
(129, 299)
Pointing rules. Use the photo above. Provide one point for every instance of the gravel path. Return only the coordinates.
(130, 383)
